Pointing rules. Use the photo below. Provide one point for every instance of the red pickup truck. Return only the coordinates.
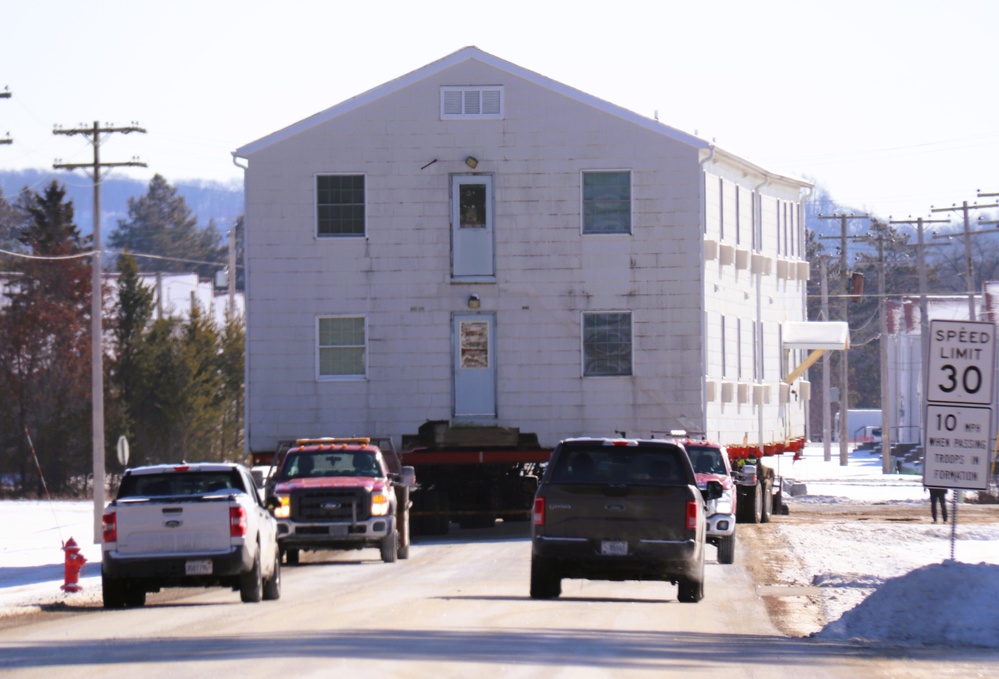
(340, 493)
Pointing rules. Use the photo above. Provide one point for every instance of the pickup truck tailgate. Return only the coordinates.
(173, 526)
(625, 513)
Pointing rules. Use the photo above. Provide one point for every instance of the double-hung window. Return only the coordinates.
(607, 202)
(607, 345)
(340, 205)
(342, 342)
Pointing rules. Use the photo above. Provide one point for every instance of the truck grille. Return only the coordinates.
(333, 504)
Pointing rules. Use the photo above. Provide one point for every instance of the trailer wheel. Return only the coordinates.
(726, 550)
(766, 506)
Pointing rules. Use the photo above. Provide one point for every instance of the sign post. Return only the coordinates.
(957, 431)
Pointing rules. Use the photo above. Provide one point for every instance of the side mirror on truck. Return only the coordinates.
(408, 476)
(713, 491)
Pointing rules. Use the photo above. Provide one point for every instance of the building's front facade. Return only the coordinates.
(474, 242)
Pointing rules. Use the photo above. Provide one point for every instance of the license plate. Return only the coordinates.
(198, 567)
(338, 531)
(614, 548)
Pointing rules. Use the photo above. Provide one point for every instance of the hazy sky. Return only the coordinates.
(890, 105)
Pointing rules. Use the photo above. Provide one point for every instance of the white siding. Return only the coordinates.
(547, 273)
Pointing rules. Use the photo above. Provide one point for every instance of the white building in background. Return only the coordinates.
(906, 386)
(174, 295)
(475, 242)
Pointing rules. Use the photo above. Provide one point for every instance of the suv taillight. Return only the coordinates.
(539, 511)
(692, 509)
(110, 525)
(237, 522)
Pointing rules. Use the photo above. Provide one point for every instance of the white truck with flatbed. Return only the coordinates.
(188, 525)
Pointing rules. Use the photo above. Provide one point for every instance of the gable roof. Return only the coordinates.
(462, 55)
(709, 150)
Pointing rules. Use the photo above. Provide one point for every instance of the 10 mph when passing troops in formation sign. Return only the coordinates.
(958, 431)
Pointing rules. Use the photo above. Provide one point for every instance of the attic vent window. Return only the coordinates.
(472, 103)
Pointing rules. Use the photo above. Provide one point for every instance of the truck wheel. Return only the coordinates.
(135, 596)
(272, 585)
(389, 545)
(726, 550)
(291, 557)
(251, 584)
(113, 591)
(545, 581)
(752, 508)
(766, 506)
(690, 591)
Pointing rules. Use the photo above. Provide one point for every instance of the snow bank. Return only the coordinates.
(946, 604)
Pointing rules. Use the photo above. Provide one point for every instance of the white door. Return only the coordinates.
(472, 226)
(474, 366)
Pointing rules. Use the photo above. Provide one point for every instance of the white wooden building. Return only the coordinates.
(475, 242)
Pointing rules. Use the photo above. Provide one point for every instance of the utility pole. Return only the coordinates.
(924, 313)
(826, 405)
(844, 373)
(6, 95)
(93, 135)
(968, 268)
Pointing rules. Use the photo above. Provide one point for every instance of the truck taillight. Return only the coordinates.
(110, 525)
(692, 509)
(237, 522)
(539, 511)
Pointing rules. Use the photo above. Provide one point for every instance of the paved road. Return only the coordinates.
(456, 608)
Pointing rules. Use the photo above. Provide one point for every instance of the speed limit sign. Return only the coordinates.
(961, 360)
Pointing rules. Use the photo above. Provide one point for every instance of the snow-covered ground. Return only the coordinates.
(888, 582)
(891, 582)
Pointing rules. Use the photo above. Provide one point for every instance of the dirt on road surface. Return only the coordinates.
(796, 608)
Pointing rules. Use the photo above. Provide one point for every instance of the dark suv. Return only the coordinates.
(619, 509)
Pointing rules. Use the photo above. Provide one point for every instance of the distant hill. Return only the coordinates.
(207, 200)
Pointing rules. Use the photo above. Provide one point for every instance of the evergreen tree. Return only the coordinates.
(45, 347)
(233, 345)
(132, 314)
(160, 223)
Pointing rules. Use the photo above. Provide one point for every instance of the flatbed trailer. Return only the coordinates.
(471, 484)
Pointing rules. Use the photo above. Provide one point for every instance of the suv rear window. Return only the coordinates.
(179, 483)
(598, 463)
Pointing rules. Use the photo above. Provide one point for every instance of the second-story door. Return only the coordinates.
(472, 227)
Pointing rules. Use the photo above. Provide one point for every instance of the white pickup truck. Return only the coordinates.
(188, 525)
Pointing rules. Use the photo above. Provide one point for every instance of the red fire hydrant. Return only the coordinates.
(74, 563)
